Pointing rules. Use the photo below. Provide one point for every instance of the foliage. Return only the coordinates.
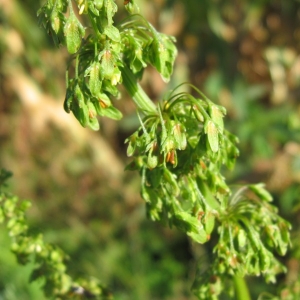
(50, 268)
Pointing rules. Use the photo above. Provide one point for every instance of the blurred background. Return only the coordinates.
(245, 55)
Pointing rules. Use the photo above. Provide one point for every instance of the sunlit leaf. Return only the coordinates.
(112, 112)
(112, 32)
(217, 116)
(74, 33)
(212, 135)
(261, 192)
(111, 8)
(95, 80)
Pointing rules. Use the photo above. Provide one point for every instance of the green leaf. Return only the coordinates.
(198, 114)
(25, 205)
(112, 112)
(217, 116)
(95, 80)
(93, 121)
(93, 6)
(209, 222)
(261, 192)
(265, 258)
(10, 205)
(16, 226)
(179, 136)
(69, 96)
(116, 77)
(148, 194)
(187, 222)
(200, 237)
(191, 225)
(107, 63)
(80, 109)
(212, 135)
(94, 124)
(162, 53)
(133, 51)
(74, 33)
(132, 7)
(171, 179)
(98, 3)
(242, 237)
(112, 33)
(111, 8)
(131, 143)
(57, 21)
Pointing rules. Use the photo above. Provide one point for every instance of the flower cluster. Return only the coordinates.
(181, 145)
(179, 152)
(250, 232)
(103, 53)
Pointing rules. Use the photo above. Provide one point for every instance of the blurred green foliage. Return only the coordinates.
(244, 54)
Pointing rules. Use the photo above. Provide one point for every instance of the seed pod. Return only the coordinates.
(172, 157)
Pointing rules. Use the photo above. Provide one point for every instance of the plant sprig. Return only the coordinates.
(180, 147)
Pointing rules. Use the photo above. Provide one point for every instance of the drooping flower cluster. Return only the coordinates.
(101, 55)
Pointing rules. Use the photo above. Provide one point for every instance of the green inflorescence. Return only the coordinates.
(181, 144)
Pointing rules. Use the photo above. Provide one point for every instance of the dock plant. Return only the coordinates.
(180, 148)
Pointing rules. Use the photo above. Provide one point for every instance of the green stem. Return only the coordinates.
(241, 288)
(138, 95)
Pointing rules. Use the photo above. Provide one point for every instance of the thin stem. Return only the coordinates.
(76, 67)
(241, 288)
(138, 95)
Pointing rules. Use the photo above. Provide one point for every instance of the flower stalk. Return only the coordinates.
(137, 93)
